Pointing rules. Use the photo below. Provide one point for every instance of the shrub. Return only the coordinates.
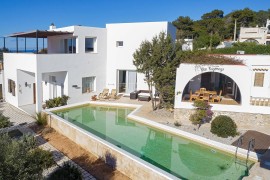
(4, 121)
(58, 101)
(177, 123)
(21, 159)
(67, 172)
(64, 100)
(198, 117)
(41, 119)
(223, 126)
(201, 104)
(202, 114)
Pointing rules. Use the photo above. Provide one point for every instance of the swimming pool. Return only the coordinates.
(179, 156)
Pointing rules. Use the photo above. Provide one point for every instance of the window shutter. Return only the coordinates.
(259, 78)
(9, 85)
(13, 88)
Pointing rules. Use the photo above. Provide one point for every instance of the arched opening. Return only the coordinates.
(214, 84)
(252, 41)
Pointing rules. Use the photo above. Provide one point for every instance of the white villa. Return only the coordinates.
(260, 35)
(80, 62)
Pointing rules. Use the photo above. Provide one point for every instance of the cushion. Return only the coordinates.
(144, 94)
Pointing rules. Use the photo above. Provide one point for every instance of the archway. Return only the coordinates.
(217, 82)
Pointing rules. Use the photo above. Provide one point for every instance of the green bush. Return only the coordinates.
(41, 119)
(198, 116)
(22, 159)
(56, 102)
(223, 126)
(249, 48)
(4, 121)
(67, 172)
(201, 104)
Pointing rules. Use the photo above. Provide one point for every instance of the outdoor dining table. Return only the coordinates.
(200, 93)
(209, 92)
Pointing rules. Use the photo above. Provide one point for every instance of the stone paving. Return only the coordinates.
(19, 117)
(15, 115)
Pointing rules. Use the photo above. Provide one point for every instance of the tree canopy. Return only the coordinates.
(157, 60)
(214, 26)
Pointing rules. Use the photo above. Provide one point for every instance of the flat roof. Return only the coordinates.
(39, 34)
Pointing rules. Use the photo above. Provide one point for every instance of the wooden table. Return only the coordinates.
(200, 93)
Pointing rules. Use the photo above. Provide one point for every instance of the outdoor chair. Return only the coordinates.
(217, 97)
(113, 94)
(104, 94)
(193, 96)
(202, 89)
(206, 96)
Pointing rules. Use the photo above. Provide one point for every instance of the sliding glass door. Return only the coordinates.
(126, 81)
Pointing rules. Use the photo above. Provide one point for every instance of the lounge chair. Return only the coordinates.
(113, 94)
(217, 97)
(104, 94)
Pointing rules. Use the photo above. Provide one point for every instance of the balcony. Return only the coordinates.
(38, 41)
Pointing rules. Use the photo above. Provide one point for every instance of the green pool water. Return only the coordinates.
(179, 156)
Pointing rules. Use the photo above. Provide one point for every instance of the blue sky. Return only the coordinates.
(25, 15)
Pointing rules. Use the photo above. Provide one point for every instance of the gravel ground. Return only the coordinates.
(203, 131)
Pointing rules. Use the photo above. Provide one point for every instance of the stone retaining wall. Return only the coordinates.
(245, 120)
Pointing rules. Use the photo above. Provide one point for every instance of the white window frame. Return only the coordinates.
(86, 85)
(94, 45)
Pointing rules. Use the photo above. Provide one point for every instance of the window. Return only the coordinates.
(11, 87)
(119, 43)
(90, 44)
(258, 80)
(70, 45)
(88, 84)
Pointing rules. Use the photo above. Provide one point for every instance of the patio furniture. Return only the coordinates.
(202, 89)
(104, 94)
(144, 95)
(206, 96)
(113, 94)
(217, 97)
(193, 96)
(134, 95)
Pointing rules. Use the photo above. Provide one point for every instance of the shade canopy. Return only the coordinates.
(39, 34)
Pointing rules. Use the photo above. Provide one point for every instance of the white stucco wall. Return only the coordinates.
(76, 66)
(254, 64)
(25, 93)
(12, 63)
(132, 35)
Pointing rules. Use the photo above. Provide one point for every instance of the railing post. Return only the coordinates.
(37, 41)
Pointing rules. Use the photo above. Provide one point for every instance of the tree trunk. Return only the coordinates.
(211, 39)
(151, 94)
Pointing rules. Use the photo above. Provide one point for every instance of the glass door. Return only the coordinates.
(127, 81)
